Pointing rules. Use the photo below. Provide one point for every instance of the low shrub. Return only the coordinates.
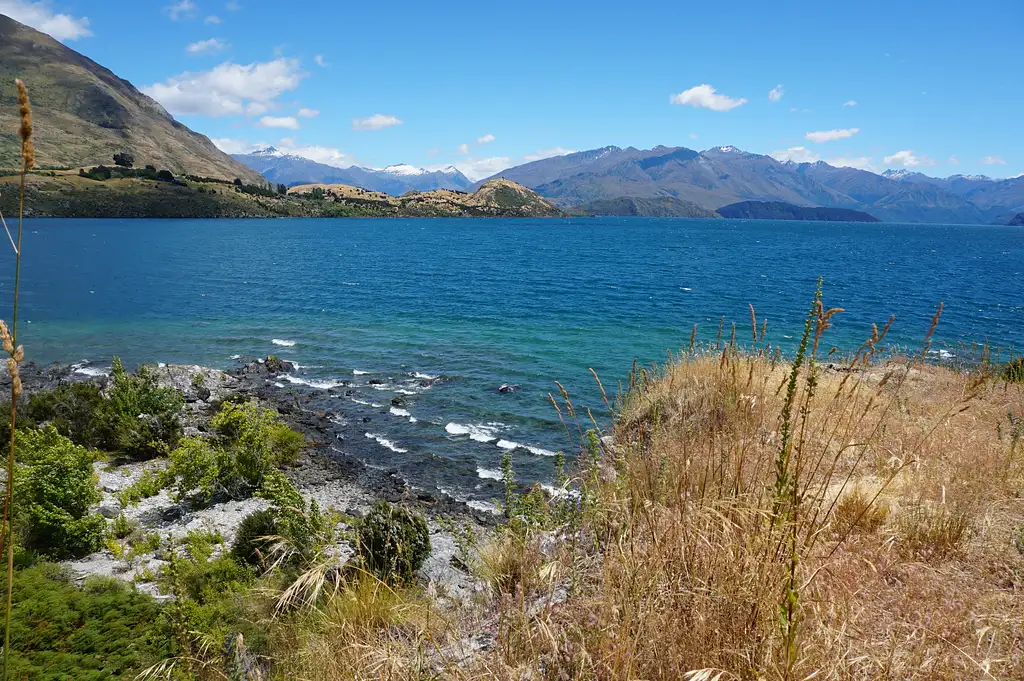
(71, 408)
(251, 442)
(251, 543)
(393, 542)
(54, 489)
(101, 631)
(139, 419)
(934, 532)
(1013, 371)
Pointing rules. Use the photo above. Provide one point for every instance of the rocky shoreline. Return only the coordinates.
(324, 472)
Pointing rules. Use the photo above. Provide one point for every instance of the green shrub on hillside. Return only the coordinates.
(139, 418)
(72, 409)
(251, 543)
(251, 442)
(393, 542)
(102, 631)
(55, 488)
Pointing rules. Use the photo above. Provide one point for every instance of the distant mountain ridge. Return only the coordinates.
(657, 207)
(725, 175)
(84, 114)
(776, 210)
(292, 170)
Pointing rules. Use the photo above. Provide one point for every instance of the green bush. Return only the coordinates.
(102, 631)
(54, 490)
(393, 541)
(251, 442)
(139, 419)
(72, 409)
(303, 530)
(250, 545)
(148, 485)
(122, 527)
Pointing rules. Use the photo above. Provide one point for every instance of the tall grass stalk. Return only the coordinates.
(16, 354)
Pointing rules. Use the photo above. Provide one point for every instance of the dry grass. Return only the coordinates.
(855, 522)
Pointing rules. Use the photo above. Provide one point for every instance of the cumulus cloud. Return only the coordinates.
(953, 160)
(776, 93)
(485, 139)
(548, 153)
(796, 155)
(229, 89)
(212, 19)
(830, 135)
(375, 122)
(993, 161)
(859, 162)
(40, 17)
(326, 155)
(209, 46)
(463, 149)
(320, 61)
(908, 159)
(479, 168)
(307, 113)
(705, 97)
(287, 122)
(183, 9)
(850, 102)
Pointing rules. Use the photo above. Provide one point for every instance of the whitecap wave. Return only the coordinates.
(283, 342)
(509, 444)
(386, 443)
(312, 383)
(424, 377)
(478, 432)
(365, 403)
(236, 357)
(484, 506)
(357, 372)
(85, 370)
(403, 391)
(395, 411)
(489, 473)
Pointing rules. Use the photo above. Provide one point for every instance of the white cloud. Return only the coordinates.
(210, 46)
(307, 113)
(776, 93)
(485, 139)
(796, 155)
(320, 61)
(993, 161)
(40, 17)
(463, 149)
(287, 122)
(830, 135)
(953, 160)
(479, 168)
(693, 135)
(907, 159)
(704, 96)
(226, 89)
(375, 122)
(212, 19)
(326, 155)
(859, 162)
(548, 153)
(232, 6)
(183, 9)
(850, 102)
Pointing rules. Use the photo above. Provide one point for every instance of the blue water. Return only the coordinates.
(488, 302)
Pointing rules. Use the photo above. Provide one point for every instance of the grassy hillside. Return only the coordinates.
(84, 114)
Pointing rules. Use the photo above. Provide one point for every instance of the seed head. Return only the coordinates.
(16, 386)
(28, 152)
(19, 354)
(5, 336)
(12, 366)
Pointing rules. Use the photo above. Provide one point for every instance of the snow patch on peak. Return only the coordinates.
(898, 174)
(269, 151)
(403, 169)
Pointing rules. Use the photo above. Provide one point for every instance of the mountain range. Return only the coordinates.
(725, 175)
(292, 170)
(84, 114)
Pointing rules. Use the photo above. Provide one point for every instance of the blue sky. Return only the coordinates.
(934, 87)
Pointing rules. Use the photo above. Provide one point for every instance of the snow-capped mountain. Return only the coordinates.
(292, 170)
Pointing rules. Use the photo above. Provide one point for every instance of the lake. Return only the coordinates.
(484, 303)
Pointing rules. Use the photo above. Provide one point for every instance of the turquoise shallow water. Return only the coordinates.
(485, 303)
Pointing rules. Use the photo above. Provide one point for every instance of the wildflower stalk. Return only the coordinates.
(16, 353)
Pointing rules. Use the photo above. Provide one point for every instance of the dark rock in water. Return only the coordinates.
(375, 381)
(397, 402)
(426, 382)
(508, 388)
(366, 419)
(276, 365)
